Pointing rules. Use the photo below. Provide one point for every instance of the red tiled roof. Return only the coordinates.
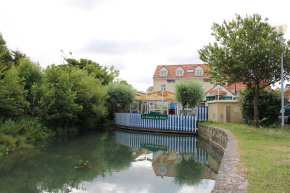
(172, 70)
(239, 86)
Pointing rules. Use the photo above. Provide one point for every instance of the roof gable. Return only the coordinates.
(189, 70)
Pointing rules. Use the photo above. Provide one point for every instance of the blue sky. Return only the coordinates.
(132, 35)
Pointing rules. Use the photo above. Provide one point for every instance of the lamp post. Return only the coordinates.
(282, 29)
(282, 92)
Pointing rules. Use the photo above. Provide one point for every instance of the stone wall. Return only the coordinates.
(216, 136)
(230, 178)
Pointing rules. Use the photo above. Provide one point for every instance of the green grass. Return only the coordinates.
(265, 154)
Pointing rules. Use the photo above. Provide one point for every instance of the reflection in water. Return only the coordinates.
(186, 158)
(124, 162)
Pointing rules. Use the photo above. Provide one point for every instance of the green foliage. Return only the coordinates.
(58, 100)
(119, 97)
(189, 93)
(247, 50)
(21, 133)
(66, 98)
(31, 76)
(12, 95)
(70, 97)
(90, 95)
(17, 56)
(29, 72)
(269, 106)
(104, 74)
(5, 56)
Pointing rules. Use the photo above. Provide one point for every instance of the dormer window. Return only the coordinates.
(198, 71)
(179, 71)
(163, 72)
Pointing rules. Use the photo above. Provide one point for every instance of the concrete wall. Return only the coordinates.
(224, 111)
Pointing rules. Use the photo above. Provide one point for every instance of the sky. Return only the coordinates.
(132, 35)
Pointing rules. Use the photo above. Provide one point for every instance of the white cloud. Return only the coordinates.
(133, 35)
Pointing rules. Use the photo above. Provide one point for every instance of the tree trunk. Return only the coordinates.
(255, 103)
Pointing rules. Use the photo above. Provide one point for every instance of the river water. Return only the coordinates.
(118, 162)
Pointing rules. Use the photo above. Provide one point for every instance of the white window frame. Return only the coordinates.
(199, 71)
(179, 72)
(163, 72)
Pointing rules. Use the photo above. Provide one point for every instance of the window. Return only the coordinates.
(163, 87)
(163, 72)
(199, 71)
(179, 71)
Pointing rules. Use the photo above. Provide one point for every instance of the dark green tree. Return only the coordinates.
(90, 95)
(247, 50)
(119, 97)
(104, 74)
(58, 98)
(13, 101)
(31, 75)
(17, 56)
(5, 57)
(269, 106)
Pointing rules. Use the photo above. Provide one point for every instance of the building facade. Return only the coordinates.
(165, 76)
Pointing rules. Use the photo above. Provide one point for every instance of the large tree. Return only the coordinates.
(247, 49)
(103, 73)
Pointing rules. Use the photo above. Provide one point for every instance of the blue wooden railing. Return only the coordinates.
(176, 123)
(172, 123)
(202, 113)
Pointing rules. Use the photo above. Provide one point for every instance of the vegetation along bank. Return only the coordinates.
(38, 104)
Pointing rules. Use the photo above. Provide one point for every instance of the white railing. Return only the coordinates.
(179, 123)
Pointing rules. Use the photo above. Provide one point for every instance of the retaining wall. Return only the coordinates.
(230, 178)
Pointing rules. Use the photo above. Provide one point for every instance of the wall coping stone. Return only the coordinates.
(230, 177)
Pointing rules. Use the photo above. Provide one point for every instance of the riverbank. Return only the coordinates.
(265, 153)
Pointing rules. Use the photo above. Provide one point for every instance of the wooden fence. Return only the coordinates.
(173, 123)
(202, 113)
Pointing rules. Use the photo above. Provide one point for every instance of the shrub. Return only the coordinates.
(119, 97)
(269, 106)
(189, 93)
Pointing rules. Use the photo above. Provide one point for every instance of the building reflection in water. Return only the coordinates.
(174, 155)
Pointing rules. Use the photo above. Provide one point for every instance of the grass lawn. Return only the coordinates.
(265, 153)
